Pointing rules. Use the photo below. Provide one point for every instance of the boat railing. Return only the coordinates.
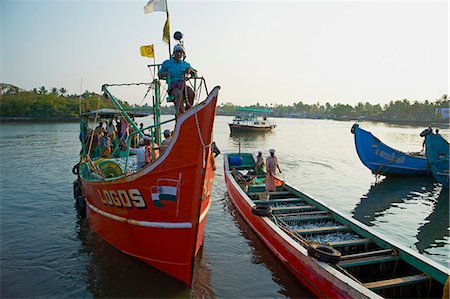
(154, 145)
(197, 83)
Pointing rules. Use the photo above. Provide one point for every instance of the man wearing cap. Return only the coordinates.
(271, 168)
(175, 70)
(165, 142)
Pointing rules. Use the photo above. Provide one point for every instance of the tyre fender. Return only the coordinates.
(262, 210)
(324, 253)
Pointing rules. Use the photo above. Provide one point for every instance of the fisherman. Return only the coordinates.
(175, 70)
(259, 165)
(271, 168)
(144, 152)
(165, 143)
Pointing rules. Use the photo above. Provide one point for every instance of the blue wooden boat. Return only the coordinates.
(437, 150)
(383, 159)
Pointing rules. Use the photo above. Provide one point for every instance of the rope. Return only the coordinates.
(204, 146)
(127, 84)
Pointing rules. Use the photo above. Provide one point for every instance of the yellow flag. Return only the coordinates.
(166, 32)
(148, 51)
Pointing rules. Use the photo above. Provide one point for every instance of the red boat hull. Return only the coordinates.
(309, 271)
(158, 214)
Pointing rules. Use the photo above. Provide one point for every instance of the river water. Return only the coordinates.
(48, 252)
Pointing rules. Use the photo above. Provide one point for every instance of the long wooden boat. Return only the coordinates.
(330, 253)
(155, 211)
(383, 159)
(251, 120)
(437, 150)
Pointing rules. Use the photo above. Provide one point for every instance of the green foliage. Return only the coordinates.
(39, 103)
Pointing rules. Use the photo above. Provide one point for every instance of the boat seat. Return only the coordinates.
(280, 200)
(272, 193)
(306, 207)
(366, 254)
(350, 242)
(396, 282)
(316, 212)
(321, 230)
(367, 260)
(306, 218)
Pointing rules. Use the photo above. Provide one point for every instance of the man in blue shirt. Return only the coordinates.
(175, 70)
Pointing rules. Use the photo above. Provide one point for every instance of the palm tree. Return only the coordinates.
(62, 91)
(42, 90)
(54, 90)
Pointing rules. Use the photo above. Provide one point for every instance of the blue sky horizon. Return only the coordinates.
(279, 52)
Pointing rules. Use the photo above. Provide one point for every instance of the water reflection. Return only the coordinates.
(111, 273)
(435, 227)
(261, 254)
(393, 191)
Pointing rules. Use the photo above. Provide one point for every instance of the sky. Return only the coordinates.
(267, 52)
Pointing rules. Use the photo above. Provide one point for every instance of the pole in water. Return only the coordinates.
(239, 146)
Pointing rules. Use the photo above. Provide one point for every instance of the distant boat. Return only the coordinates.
(251, 120)
(332, 254)
(385, 160)
(437, 150)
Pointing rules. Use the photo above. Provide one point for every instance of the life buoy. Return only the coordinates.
(262, 210)
(324, 253)
(109, 168)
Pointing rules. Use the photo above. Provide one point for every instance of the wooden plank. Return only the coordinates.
(272, 193)
(316, 230)
(396, 282)
(350, 242)
(307, 207)
(367, 261)
(316, 212)
(280, 200)
(306, 218)
(366, 254)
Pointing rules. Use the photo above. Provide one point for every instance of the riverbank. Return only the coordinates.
(422, 123)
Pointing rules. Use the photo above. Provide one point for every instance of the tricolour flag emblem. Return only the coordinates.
(165, 189)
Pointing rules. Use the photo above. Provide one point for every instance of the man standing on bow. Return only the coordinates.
(175, 70)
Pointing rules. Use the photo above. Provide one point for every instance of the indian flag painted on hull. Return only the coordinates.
(165, 189)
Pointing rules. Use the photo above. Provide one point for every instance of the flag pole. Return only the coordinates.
(168, 20)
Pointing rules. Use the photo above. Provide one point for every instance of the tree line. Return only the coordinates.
(399, 110)
(41, 103)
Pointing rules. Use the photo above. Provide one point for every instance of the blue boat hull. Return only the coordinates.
(437, 154)
(383, 159)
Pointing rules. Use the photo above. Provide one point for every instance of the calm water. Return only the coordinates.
(46, 251)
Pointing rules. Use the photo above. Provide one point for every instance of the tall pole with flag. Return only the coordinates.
(161, 5)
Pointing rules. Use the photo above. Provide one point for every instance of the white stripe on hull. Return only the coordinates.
(139, 222)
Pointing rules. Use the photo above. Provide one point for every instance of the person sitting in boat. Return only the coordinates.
(175, 70)
(240, 177)
(271, 167)
(165, 143)
(144, 152)
(259, 165)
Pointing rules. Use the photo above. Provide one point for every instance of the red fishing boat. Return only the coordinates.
(156, 213)
(333, 255)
